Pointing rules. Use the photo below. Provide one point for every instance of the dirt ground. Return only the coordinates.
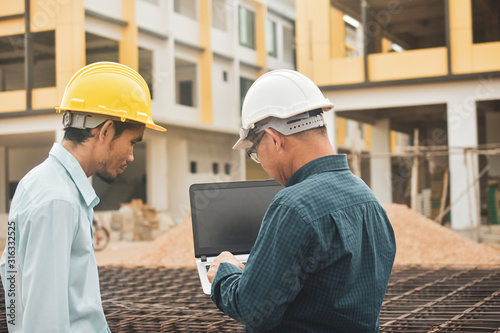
(420, 241)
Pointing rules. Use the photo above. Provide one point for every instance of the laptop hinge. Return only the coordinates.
(203, 258)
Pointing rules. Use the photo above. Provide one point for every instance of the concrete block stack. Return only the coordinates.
(135, 221)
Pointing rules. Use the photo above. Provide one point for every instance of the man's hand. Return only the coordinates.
(223, 257)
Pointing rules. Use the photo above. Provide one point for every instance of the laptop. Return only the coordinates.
(227, 217)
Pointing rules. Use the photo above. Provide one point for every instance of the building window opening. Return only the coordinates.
(215, 168)
(246, 27)
(186, 93)
(12, 63)
(405, 25)
(100, 49)
(193, 166)
(44, 67)
(186, 8)
(146, 67)
(185, 76)
(271, 44)
(244, 86)
(352, 40)
(485, 21)
(227, 169)
(347, 25)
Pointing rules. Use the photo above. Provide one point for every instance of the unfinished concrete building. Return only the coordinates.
(406, 77)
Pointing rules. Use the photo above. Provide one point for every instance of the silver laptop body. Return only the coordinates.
(227, 217)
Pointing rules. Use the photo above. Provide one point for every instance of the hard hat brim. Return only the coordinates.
(156, 127)
(243, 143)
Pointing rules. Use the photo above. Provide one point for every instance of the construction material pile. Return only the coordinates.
(420, 241)
(174, 249)
(135, 221)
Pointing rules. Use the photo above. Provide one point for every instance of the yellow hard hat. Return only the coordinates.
(109, 89)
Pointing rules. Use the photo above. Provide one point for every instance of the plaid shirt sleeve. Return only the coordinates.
(260, 297)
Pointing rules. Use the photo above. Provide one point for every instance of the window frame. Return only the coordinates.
(246, 27)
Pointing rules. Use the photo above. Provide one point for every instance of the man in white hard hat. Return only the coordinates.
(324, 253)
(48, 268)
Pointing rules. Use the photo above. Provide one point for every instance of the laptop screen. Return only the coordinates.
(227, 216)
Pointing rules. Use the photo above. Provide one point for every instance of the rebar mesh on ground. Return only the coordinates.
(143, 299)
(442, 300)
(140, 299)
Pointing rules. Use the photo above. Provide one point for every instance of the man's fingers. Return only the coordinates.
(223, 257)
(211, 272)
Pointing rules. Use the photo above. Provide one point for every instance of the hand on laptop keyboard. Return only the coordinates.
(223, 257)
(208, 266)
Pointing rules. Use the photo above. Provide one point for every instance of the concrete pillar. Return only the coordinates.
(156, 171)
(128, 52)
(380, 173)
(70, 41)
(178, 178)
(206, 62)
(462, 131)
(4, 184)
(239, 165)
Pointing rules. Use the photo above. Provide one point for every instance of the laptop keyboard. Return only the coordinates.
(208, 266)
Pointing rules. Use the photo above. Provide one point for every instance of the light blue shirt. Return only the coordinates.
(48, 268)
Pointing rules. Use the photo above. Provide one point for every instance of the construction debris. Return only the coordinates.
(135, 221)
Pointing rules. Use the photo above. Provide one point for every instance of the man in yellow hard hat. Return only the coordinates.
(48, 267)
(325, 250)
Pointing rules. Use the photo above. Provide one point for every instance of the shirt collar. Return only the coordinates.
(76, 173)
(319, 165)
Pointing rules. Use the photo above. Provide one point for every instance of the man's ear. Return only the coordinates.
(106, 129)
(277, 137)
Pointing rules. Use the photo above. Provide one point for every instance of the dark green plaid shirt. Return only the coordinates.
(321, 262)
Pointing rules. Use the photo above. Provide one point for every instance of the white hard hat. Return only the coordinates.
(282, 94)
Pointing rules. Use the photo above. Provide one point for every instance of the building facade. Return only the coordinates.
(395, 68)
(198, 57)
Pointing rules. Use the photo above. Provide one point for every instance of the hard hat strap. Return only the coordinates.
(82, 121)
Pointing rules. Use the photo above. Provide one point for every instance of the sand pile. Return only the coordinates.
(173, 249)
(420, 241)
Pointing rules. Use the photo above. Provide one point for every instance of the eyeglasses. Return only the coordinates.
(252, 152)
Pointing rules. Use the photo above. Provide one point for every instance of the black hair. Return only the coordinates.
(79, 136)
